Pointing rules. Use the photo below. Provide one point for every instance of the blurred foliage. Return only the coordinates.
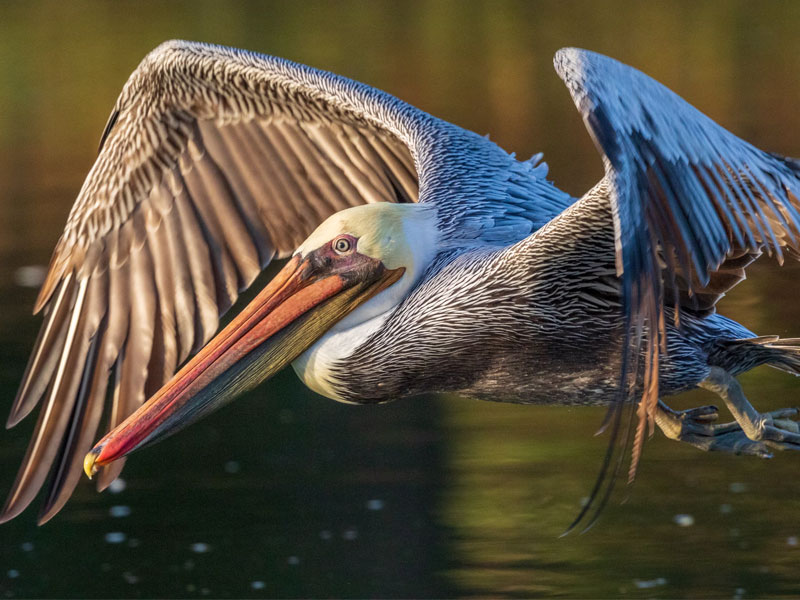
(474, 494)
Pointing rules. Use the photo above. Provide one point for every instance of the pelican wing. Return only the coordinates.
(214, 161)
(686, 193)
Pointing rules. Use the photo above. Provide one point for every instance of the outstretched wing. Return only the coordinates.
(213, 162)
(684, 192)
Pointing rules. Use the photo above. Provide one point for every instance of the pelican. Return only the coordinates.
(421, 258)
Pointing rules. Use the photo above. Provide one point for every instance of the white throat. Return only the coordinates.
(418, 249)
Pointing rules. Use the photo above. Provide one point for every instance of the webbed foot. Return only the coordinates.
(775, 429)
(696, 427)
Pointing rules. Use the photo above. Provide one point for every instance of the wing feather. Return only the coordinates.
(213, 162)
(200, 272)
(297, 165)
(57, 410)
(687, 197)
(46, 351)
(194, 191)
(83, 424)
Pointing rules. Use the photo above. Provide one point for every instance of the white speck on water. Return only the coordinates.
(257, 585)
(725, 509)
(375, 504)
(13, 573)
(791, 540)
(117, 486)
(683, 520)
(30, 276)
(350, 534)
(738, 593)
(646, 584)
(293, 560)
(325, 534)
(205, 591)
(200, 547)
(26, 546)
(120, 510)
(115, 537)
(232, 467)
(130, 577)
(737, 487)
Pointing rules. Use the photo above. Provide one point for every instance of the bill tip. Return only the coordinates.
(89, 460)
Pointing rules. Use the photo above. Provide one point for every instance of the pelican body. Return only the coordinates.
(511, 329)
(421, 258)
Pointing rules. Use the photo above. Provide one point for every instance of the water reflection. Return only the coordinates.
(287, 494)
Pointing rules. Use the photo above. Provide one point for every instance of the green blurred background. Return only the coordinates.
(289, 494)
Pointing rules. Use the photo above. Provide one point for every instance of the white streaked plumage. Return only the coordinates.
(215, 161)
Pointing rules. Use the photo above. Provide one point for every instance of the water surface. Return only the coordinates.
(288, 494)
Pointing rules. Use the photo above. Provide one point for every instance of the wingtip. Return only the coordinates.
(44, 295)
(51, 508)
(22, 406)
(14, 417)
(11, 510)
(55, 273)
(45, 516)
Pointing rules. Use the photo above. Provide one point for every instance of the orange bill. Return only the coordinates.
(307, 297)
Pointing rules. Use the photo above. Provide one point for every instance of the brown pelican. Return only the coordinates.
(423, 258)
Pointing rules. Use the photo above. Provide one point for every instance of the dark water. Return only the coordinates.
(288, 494)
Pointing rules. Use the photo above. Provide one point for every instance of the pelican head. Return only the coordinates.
(357, 264)
(399, 236)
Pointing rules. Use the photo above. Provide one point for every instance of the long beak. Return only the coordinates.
(292, 312)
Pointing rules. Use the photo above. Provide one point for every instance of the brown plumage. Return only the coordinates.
(215, 161)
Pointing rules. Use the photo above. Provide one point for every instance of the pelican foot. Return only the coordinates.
(696, 427)
(775, 429)
(701, 414)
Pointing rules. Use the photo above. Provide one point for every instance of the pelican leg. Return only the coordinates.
(774, 429)
(696, 427)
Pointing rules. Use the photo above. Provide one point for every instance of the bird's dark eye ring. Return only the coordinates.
(342, 245)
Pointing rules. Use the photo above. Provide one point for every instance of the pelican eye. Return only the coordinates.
(343, 244)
